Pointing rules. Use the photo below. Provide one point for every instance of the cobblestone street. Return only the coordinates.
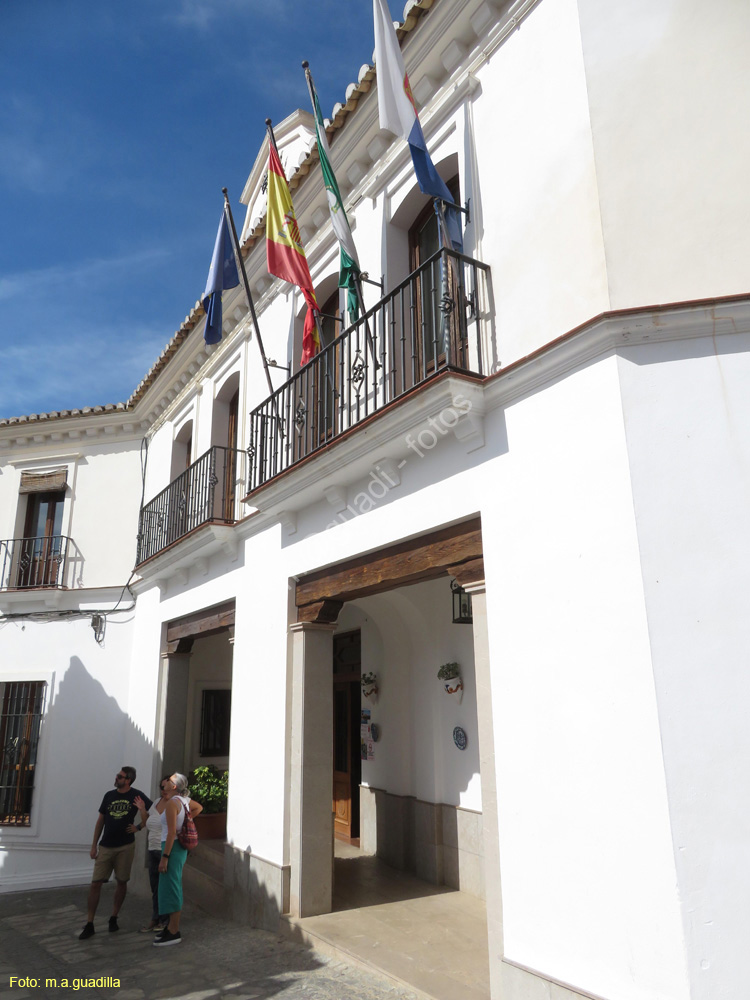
(39, 944)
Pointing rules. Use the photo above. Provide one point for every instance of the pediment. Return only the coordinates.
(295, 137)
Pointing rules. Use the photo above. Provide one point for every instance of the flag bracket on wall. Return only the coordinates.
(459, 208)
(364, 275)
(273, 364)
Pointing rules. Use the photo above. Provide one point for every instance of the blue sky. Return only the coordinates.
(119, 125)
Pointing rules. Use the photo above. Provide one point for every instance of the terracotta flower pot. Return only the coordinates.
(455, 686)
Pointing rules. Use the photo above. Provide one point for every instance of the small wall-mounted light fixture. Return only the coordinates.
(462, 610)
(99, 625)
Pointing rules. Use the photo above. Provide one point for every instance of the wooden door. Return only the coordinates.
(40, 552)
(347, 764)
(230, 465)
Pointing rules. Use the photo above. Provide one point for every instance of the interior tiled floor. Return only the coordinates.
(428, 938)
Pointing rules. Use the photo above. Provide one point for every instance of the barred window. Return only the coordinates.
(215, 715)
(22, 706)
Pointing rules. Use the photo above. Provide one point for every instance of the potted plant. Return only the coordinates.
(450, 675)
(370, 685)
(210, 787)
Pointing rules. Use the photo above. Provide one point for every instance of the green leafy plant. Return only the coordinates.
(448, 671)
(210, 787)
(369, 678)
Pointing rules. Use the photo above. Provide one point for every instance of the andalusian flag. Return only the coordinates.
(349, 262)
(284, 251)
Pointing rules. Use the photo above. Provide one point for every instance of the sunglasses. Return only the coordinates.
(122, 777)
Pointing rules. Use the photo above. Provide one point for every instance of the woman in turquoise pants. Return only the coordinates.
(173, 856)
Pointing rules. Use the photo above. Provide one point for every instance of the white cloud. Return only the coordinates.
(76, 274)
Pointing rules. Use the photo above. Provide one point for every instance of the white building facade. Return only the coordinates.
(555, 421)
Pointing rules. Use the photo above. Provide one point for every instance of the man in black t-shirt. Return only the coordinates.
(113, 845)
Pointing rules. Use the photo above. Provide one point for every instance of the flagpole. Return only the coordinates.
(357, 282)
(445, 269)
(251, 304)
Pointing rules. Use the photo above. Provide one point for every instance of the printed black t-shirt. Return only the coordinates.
(119, 812)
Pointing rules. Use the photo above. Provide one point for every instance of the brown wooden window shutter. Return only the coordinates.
(44, 482)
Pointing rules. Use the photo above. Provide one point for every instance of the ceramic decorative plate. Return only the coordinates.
(459, 738)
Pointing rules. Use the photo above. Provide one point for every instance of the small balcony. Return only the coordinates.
(208, 491)
(434, 321)
(35, 563)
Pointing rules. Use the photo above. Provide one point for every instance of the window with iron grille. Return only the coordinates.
(22, 707)
(215, 716)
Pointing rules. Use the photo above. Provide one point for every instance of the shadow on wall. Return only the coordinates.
(254, 893)
(85, 738)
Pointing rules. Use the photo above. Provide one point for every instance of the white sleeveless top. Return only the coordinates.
(183, 800)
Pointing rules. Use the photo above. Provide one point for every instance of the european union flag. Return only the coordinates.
(222, 274)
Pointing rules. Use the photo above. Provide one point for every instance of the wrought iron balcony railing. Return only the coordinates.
(27, 563)
(211, 489)
(431, 322)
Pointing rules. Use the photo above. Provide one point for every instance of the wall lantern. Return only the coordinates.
(462, 612)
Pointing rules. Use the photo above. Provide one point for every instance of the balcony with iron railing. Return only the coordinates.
(434, 321)
(209, 491)
(43, 562)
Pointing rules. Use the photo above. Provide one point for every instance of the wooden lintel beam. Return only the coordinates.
(321, 612)
(423, 558)
(471, 571)
(211, 622)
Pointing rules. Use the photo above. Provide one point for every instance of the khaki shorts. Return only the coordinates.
(114, 859)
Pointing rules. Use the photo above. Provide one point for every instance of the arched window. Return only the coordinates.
(225, 437)
(182, 450)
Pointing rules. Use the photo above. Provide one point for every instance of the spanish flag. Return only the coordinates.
(284, 251)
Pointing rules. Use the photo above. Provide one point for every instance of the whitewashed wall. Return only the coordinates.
(101, 500)
(537, 191)
(687, 414)
(589, 885)
(667, 90)
(87, 735)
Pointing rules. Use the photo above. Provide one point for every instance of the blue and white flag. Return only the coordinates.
(222, 274)
(398, 113)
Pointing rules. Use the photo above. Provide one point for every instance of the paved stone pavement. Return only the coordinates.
(217, 959)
